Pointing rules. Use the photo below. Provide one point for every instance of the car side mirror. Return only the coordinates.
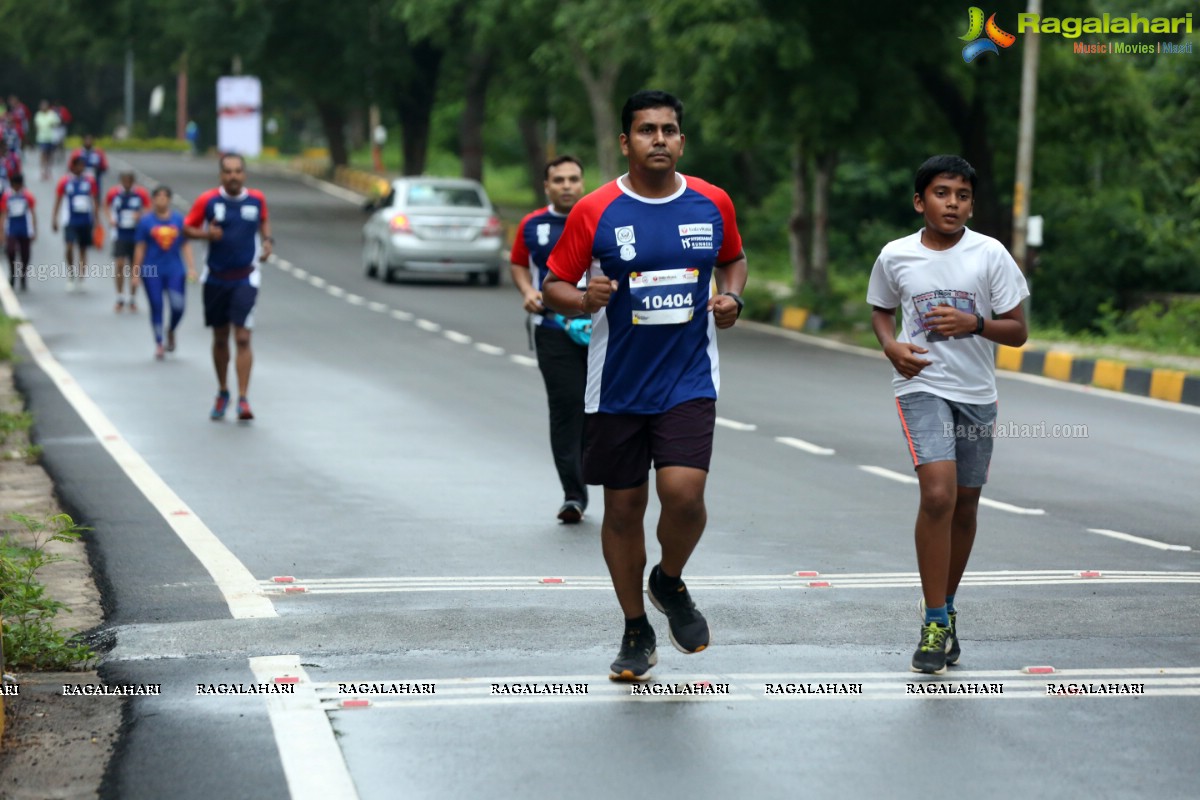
(370, 207)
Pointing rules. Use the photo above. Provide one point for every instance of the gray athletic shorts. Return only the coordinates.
(943, 430)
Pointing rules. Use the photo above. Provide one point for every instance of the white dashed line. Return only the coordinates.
(736, 426)
(299, 273)
(524, 361)
(996, 504)
(426, 325)
(489, 349)
(807, 447)
(316, 281)
(457, 338)
(356, 300)
(887, 473)
(335, 291)
(403, 316)
(377, 306)
(1129, 537)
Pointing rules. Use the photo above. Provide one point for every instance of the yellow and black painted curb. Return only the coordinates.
(1172, 385)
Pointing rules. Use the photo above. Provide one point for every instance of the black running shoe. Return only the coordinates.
(571, 512)
(688, 628)
(930, 656)
(953, 651)
(638, 654)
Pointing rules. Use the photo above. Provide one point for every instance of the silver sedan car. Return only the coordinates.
(434, 227)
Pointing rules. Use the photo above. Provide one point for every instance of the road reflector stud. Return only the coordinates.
(1044, 670)
(356, 702)
(284, 579)
(803, 574)
(1089, 573)
(818, 584)
(287, 679)
(552, 580)
(294, 589)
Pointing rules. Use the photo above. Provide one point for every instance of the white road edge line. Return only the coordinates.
(377, 306)
(1129, 537)
(403, 316)
(736, 426)
(457, 338)
(313, 763)
(490, 349)
(524, 361)
(427, 325)
(242, 593)
(807, 447)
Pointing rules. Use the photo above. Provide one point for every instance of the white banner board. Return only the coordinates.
(239, 115)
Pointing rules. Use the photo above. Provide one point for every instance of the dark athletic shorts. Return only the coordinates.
(78, 234)
(618, 449)
(123, 248)
(226, 303)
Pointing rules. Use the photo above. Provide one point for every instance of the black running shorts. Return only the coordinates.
(619, 449)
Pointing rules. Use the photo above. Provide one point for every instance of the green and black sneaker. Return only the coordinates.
(930, 657)
(953, 651)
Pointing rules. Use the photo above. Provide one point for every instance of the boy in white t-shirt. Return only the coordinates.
(958, 291)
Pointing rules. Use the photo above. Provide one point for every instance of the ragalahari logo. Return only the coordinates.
(995, 39)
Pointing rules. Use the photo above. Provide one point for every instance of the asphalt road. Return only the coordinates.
(399, 471)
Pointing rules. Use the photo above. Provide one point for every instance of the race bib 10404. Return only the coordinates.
(664, 296)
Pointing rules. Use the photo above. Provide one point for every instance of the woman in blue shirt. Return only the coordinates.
(159, 263)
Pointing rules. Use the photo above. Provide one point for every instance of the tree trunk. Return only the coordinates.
(333, 124)
(605, 126)
(798, 222)
(819, 274)
(470, 127)
(414, 102)
(535, 156)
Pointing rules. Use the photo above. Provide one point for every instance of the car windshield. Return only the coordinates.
(427, 195)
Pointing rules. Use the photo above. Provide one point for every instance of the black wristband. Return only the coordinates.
(979, 324)
(737, 298)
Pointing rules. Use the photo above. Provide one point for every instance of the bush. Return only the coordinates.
(8, 336)
(117, 145)
(30, 639)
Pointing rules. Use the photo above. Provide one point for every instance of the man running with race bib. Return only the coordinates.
(651, 243)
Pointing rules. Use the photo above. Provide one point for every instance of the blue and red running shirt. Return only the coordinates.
(16, 205)
(126, 206)
(654, 346)
(80, 195)
(232, 258)
(536, 236)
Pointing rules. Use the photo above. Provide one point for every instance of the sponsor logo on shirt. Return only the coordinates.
(696, 236)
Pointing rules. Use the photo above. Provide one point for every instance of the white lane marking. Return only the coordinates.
(299, 273)
(983, 501)
(312, 760)
(886, 580)
(524, 361)
(403, 316)
(887, 473)
(817, 341)
(332, 189)
(807, 447)
(376, 306)
(356, 300)
(242, 593)
(335, 291)
(890, 686)
(736, 426)
(489, 349)
(427, 325)
(316, 281)
(286, 266)
(457, 338)
(999, 506)
(1129, 537)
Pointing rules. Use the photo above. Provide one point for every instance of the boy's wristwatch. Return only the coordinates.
(737, 298)
(979, 323)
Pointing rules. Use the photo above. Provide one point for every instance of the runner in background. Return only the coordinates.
(10, 164)
(94, 160)
(159, 260)
(46, 123)
(124, 205)
(18, 229)
(60, 133)
(82, 198)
